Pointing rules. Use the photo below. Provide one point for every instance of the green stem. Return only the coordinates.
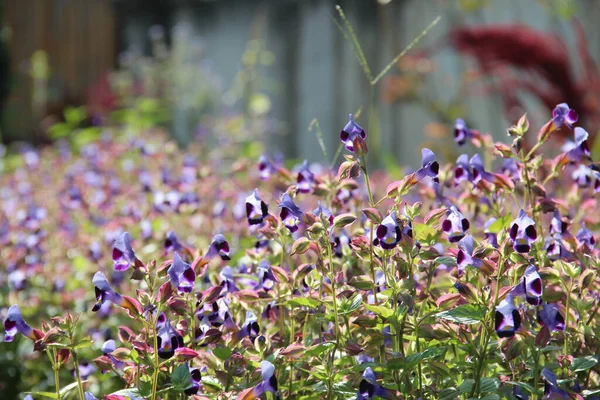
(156, 360)
(52, 358)
(78, 375)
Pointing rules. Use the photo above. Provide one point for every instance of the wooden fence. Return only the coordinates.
(315, 74)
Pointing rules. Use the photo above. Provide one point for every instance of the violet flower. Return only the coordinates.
(462, 172)
(388, 232)
(265, 168)
(104, 292)
(250, 327)
(220, 246)
(563, 115)
(461, 132)
(351, 132)
(455, 225)
(305, 180)
(479, 171)
(108, 348)
(182, 275)
(256, 209)
(227, 281)
(14, 323)
(195, 381)
(168, 338)
(266, 278)
(369, 388)
(550, 316)
(429, 167)
(464, 257)
(172, 243)
(290, 214)
(123, 255)
(585, 237)
(523, 233)
(268, 383)
(579, 148)
(551, 389)
(558, 227)
(530, 286)
(507, 318)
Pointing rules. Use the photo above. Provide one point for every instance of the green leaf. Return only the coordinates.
(449, 394)
(44, 394)
(501, 223)
(84, 343)
(127, 392)
(446, 260)
(383, 312)
(489, 385)
(490, 397)
(303, 302)
(320, 348)
(425, 233)
(67, 388)
(212, 381)
(583, 363)
(181, 377)
(222, 353)
(351, 305)
(467, 314)
(466, 386)
(413, 360)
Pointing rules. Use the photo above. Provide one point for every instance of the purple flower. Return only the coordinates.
(523, 233)
(220, 246)
(290, 213)
(324, 213)
(562, 114)
(369, 388)
(578, 149)
(250, 327)
(551, 389)
(168, 338)
(510, 168)
(89, 396)
(268, 383)
(104, 292)
(266, 278)
(464, 257)
(479, 171)
(585, 237)
(305, 180)
(256, 209)
(172, 243)
(123, 255)
(14, 323)
(351, 132)
(265, 167)
(462, 172)
(227, 281)
(556, 249)
(195, 381)
(339, 242)
(429, 167)
(455, 225)
(550, 317)
(507, 318)
(558, 227)
(182, 275)
(530, 286)
(108, 348)
(388, 232)
(85, 369)
(461, 132)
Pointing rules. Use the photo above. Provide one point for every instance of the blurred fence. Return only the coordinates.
(78, 38)
(315, 74)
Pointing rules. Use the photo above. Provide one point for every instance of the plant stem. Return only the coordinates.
(156, 360)
(52, 358)
(78, 375)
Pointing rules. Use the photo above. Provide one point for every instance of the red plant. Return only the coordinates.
(524, 59)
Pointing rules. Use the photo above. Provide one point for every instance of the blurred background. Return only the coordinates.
(276, 66)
